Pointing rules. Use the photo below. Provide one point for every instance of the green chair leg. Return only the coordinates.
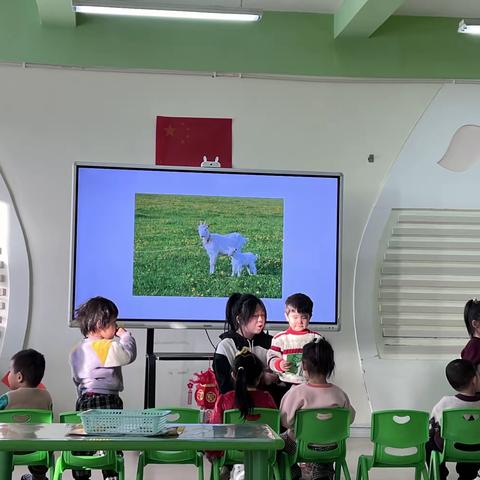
(200, 473)
(140, 466)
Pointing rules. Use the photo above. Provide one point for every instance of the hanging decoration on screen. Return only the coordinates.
(194, 142)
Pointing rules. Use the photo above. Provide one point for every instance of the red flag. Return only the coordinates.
(186, 141)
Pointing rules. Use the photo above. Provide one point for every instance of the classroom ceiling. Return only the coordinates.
(351, 17)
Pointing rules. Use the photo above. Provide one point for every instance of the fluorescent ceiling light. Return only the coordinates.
(153, 10)
(469, 25)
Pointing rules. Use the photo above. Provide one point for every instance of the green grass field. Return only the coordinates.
(169, 259)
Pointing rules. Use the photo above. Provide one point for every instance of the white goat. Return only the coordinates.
(240, 260)
(216, 244)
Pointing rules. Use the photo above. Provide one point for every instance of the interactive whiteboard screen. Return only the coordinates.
(169, 245)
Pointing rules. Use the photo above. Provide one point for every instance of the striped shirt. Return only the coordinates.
(288, 346)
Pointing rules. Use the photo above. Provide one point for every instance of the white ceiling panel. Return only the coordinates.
(441, 8)
(315, 6)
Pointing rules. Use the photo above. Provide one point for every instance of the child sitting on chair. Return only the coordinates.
(318, 364)
(98, 359)
(26, 372)
(462, 376)
(247, 373)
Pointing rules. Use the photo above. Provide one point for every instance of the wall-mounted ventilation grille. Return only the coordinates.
(430, 266)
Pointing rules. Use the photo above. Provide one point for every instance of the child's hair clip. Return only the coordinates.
(474, 300)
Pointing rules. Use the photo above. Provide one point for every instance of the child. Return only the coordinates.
(97, 361)
(285, 354)
(462, 376)
(318, 364)
(26, 372)
(471, 316)
(247, 373)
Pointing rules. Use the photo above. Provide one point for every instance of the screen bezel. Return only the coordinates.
(201, 324)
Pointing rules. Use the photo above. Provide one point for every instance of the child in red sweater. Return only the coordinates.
(247, 372)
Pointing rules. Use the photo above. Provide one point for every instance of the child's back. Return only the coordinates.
(318, 364)
(247, 373)
(462, 376)
(26, 372)
(309, 395)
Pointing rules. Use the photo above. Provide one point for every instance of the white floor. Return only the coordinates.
(356, 446)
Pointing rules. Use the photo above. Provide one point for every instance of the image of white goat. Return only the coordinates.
(217, 244)
(241, 260)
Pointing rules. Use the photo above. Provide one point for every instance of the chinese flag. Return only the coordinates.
(185, 141)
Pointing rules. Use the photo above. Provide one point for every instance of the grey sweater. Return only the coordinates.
(97, 364)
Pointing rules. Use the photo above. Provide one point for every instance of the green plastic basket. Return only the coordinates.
(124, 422)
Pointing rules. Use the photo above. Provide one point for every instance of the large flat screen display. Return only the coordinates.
(169, 245)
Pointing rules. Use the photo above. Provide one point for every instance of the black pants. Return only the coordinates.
(92, 401)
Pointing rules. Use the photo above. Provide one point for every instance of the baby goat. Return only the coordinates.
(240, 260)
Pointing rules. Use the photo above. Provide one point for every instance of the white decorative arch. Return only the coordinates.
(14, 279)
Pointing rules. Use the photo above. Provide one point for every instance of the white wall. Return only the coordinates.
(417, 181)
(52, 118)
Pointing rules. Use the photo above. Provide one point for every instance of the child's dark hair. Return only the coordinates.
(231, 312)
(31, 364)
(300, 302)
(471, 312)
(245, 308)
(459, 373)
(318, 357)
(98, 312)
(248, 370)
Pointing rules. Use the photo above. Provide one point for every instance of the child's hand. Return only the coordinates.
(285, 366)
(120, 332)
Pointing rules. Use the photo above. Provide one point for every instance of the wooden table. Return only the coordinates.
(255, 440)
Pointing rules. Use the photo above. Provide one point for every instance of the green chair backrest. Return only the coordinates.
(320, 427)
(461, 426)
(268, 416)
(26, 415)
(183, 414)
(70, 417)
(399, 437)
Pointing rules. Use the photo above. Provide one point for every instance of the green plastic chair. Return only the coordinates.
(29, 415)
(399, 438)
(108, 460)
(267, 416)
(459, 426)
(177, 415)
(320, 426)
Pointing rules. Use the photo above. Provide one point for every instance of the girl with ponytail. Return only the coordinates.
(318, 364)
(471, 317)
(247, 372)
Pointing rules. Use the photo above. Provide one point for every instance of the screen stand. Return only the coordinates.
(150, 373)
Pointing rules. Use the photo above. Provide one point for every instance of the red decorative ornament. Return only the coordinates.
(206, 390)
